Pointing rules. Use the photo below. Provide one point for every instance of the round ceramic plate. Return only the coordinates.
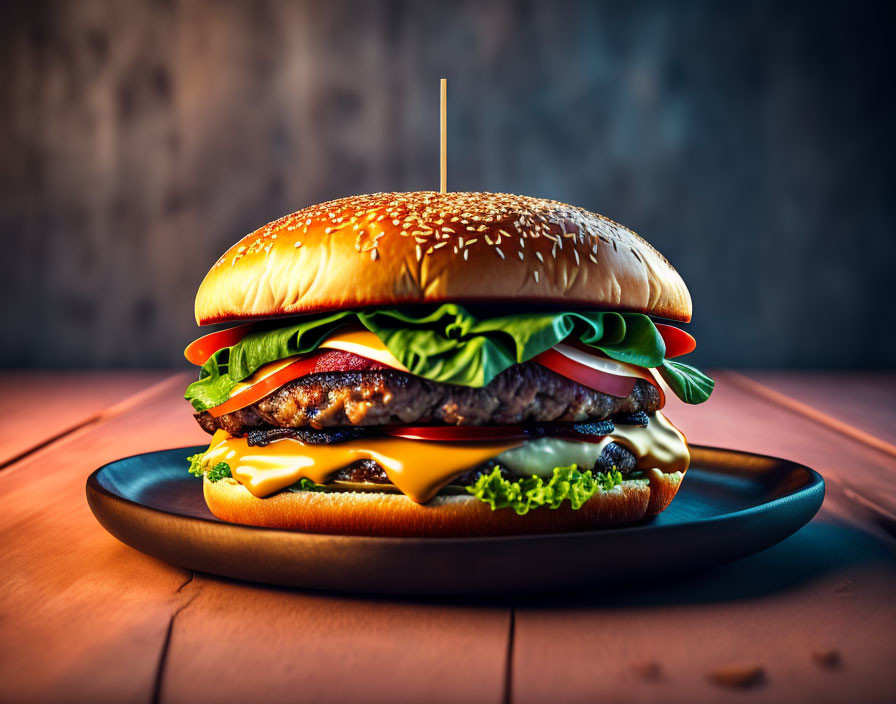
(731, 504)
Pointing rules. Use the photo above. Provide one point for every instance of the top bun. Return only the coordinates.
(425, 247)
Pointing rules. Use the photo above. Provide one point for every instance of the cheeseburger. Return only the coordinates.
(425, 364)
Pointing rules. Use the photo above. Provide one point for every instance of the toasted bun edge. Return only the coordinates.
(395, 515)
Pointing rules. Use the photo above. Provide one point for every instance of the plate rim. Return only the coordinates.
(813, 485)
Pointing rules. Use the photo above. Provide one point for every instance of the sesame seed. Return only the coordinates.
(427, 214)
(466, 255)
(535, 274)
(374, 254)
(521, 256)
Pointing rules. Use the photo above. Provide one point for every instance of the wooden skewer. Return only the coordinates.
(444, 137)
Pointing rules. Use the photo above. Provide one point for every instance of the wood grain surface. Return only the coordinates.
(85, 618)
(38, 406)
(865, 401)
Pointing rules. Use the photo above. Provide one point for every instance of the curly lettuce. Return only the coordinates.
(525, 494)
(305, 484)
(453, 345)
(197, 468)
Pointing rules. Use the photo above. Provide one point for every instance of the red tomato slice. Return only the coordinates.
(678, 342)
(456, 433)
(199, 351)
(613, 384)
(474, 433)
(257, 390)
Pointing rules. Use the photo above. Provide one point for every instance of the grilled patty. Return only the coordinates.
(613, 456)
(524, 393)
(332, 436)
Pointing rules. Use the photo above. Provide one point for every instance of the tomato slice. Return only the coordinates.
(457, 433)
(596, 371)
(613, 384)
(678, 342)
(264, 381)
(199, 351)
(479, 433)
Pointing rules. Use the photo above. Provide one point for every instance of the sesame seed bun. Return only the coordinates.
(393, 514)
(403, 248)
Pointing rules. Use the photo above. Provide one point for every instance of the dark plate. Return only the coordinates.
(731, 504)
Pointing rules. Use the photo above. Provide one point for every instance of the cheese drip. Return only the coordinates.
(419, 468)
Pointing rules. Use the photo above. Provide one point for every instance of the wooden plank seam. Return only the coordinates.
(884, 515)
(75, 431)
(814, 414)
(508, 665)
(166, 644)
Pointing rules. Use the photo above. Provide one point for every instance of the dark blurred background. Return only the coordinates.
(752, 143)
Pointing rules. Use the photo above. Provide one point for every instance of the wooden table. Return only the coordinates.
(85, 618)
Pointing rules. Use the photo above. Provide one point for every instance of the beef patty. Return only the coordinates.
(332, 436)
(524, 393)
(613, 456)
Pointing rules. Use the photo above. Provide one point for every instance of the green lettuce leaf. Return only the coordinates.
(523, 495)
(690, 384)
(218, 472)
(305, 484)
(451, 345)
(197, 468)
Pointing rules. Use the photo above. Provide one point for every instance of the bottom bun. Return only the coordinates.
(393, 514)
